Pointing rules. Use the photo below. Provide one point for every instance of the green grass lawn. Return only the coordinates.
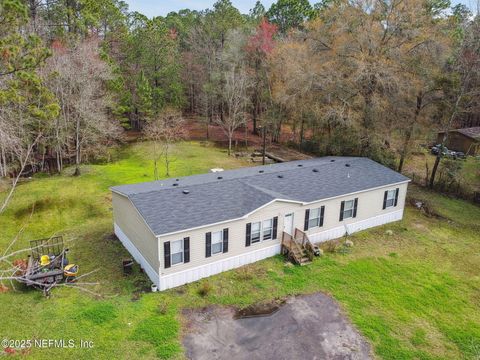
(414, 294)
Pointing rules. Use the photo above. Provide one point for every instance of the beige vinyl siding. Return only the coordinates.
(132, 224)
(236, 239)
(370, 204)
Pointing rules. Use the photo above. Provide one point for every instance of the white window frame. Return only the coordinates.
(172, 263)
(269, 235)
(348, 209)
(259, 232)
(216, 242)
(314, 221)
(390, 198)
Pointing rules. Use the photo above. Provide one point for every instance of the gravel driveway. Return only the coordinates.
(304, 327)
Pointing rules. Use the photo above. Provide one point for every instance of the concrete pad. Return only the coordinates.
(305, 327)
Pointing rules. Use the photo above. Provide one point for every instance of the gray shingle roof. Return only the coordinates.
(167, 209)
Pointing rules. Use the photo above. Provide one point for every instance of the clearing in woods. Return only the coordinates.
(412, 292)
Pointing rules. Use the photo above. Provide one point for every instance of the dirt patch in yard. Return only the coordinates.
(258, 310)
(302, 327)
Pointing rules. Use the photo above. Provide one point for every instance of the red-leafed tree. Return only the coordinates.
(262, 42)
(258, 48)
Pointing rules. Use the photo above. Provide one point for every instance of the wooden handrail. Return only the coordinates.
(291, 243)
(305, 242)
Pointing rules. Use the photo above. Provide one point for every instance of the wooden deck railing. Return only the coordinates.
(292, 247)
(302, 239)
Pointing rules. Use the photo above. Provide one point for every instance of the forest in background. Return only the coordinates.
(363, 77)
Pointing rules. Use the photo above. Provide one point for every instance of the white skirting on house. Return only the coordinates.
(189, 275)
(152, 274)
(199, 272)
(340, 231)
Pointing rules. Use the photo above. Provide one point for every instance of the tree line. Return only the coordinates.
(358, 77)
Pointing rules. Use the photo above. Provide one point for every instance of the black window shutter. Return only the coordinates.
(166, 254)
(208, 244)
(305, 224)
(186, 250)
(225, 240)
(322, 212)
(355, 207)
(342, 207)
(396, 196)
(248, 234)
(275, 225)
(385, 200)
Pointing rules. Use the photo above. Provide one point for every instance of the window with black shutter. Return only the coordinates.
(315, 217)
(208, 244)
(396, 196)
(216, 242)
(275, 226)
(390, 198)
(255, 232)
(348, 209)
(166, 254)
(267, 229)
(176, 252)
(225, 240)
(248, 234)
(186, 250)
(307, 216)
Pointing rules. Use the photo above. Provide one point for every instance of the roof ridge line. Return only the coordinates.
(260, 188)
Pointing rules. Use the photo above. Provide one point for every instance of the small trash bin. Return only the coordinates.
(127, 266)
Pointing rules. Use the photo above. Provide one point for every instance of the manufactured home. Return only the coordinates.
(184, 229)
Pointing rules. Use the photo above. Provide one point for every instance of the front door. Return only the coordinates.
(288, 224)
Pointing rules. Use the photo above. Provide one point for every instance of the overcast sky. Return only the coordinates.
(163, 7)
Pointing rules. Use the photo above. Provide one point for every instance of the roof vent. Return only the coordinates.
(220, 177)
(260, 171)
(299, 165)
(177, 179)
(347, 165)
(175, 184)
(333, 160)
(315, 170)
(280, 176)
(186, 191)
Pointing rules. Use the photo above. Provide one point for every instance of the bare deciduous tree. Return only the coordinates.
(164, 130)
(236, 98)
(23, 163)
(78, 78)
